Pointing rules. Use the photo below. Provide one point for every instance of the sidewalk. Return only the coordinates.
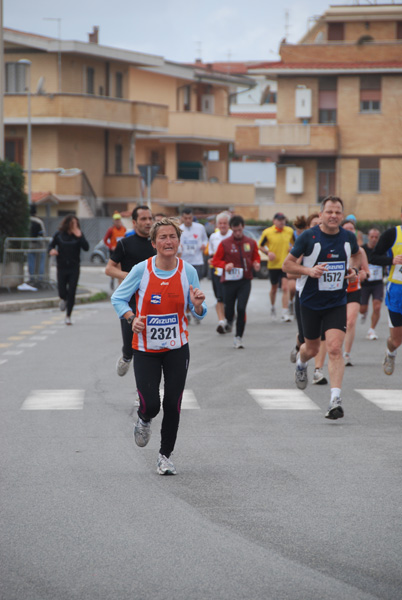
(16, 300)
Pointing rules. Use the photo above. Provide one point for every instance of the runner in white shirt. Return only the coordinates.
(193, 242)
(222, 223)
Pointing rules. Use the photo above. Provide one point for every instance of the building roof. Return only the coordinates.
(285, 68)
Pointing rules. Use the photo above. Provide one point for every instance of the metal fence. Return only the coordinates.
(32, 252)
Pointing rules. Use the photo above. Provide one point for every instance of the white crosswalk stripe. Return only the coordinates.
(385, 399)
(189, 400)
(54, 400)
(283, 399)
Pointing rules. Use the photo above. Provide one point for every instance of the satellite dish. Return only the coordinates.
(40, 88)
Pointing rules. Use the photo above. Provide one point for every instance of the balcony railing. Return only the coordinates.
(205, 193)
(75, 109)
(289, 137)
(202, 125)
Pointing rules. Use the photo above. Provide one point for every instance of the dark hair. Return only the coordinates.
(134, 214)
(348, 221)
(236, 220)
(300, 222)
(187, 211)
(66, 222)
(311, 217)
(331, 199)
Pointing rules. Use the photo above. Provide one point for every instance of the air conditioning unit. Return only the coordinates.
(294, 180)
(303, 103)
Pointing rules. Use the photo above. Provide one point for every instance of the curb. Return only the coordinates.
(18, 305)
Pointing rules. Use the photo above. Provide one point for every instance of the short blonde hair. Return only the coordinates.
(165, 222)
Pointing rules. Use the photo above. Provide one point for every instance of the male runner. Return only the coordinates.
(237, 255)
(130, 251)
(222, 223)
(391, 241)
(331, 257)
(373, 286)
(276, 242)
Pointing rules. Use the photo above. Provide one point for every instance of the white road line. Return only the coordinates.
(54, 400)
(283, 399)
(12, 352)
(39, 338)
(189, 400)
(27, 345)
(2, 362)
(385, 399)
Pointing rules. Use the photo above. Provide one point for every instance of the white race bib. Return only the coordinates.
(190, 247)
(397, 274)
(332, 279)
(375, 273)
(163, 332)
(234, 274)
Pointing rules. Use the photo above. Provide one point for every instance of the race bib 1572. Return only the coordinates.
(333, 277)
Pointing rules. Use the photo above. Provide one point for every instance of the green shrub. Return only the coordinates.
(14, 210)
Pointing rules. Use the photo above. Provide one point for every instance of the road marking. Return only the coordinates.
(3, 361)
(37, 326)
(49, 331)
(5, 345)
(29, 332)
(15, 338)
(27, 345)
(189, 400)
(12, 352)
(38, 338)
(47, 322)
(283, 399)
(384, 399)
(54, 400)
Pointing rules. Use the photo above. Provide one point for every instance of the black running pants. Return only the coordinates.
(237, 291)
(148, 369)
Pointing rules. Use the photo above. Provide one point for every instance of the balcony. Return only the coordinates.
(129, 187)
(288, 139)
(202, 127)
(82, 110)
(205, 193)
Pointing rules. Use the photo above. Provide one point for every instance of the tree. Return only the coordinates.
(14, 209)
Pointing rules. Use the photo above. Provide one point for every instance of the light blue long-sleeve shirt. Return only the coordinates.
(121, 297)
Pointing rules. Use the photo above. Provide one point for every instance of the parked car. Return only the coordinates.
(255, 233)
(100, 254)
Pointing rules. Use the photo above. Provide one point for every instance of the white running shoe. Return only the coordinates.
(142, 432)
(221, 327)
(273, 313)
(347, 359)
(286, 318)
(238, 342)
(389, 364)
(319, 377)
(62, 305)
(293, 355)
(371, 334)
(68, 321)
(122, 366)
(335, 410)
(301, 378)
(165, 466)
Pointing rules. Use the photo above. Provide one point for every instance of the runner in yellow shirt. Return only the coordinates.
(276, 242)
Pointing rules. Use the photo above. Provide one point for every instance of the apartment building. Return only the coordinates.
(339, 114)
(97, 113)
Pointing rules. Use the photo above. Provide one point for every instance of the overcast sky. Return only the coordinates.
(179, 30)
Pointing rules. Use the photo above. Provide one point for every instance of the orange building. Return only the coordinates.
(97, 113)
(339, 114)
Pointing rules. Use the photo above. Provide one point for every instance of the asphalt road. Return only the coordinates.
(269, 502)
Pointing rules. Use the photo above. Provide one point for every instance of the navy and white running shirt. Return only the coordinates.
(335, 250)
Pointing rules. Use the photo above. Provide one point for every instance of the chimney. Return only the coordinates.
(94, 36)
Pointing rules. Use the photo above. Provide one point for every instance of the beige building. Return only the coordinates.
(339, 114)
(98, 113)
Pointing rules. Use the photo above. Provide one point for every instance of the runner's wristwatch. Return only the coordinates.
(130, 319)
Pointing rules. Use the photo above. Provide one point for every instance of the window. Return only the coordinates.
(90, 80)
(13, 150)
(15, 78)
(399, 30)
(187, 98)
(336, 32)
(119, 85)
(369, 174)
(118, 158)
(268, 96)
(326, 175)
(327, 99)
(370, 93)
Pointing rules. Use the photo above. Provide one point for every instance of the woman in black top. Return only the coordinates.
(66, 246)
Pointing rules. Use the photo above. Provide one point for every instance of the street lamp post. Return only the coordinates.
(27, 63)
